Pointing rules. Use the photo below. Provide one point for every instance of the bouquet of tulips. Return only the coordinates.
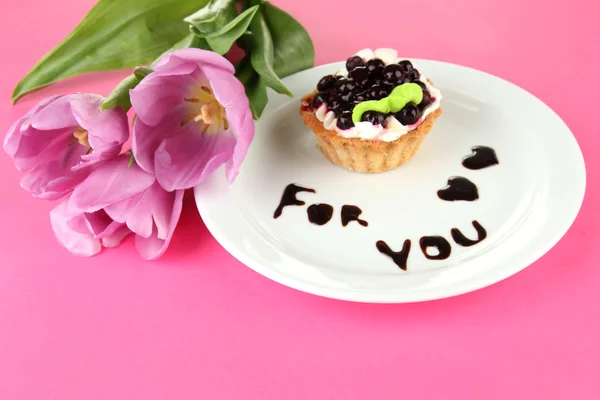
(200, 74)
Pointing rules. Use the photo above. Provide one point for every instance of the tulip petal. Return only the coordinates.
(116, 237)
(97, 157)
(107, 129)
(97, 224)
(36, 147)
(56, 115)
(242, 123)
(153, 209)
(54, 178)
(153, 247)
(160, 92)
(146, 139)
(100, 224)
(80, 244)
(144, 142)
(141, 212)
(108, 184)
(198, 56)
(120, 210)
(230, 93)
(13, 137)
(184, 160)
(78, 223)
(226, 87)
(139, 219)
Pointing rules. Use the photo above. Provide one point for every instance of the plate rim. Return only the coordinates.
(562, 229)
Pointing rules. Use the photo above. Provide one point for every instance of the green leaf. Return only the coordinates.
(222, 39)
(215, 14)
(245, 42)
(262, 54)
(119, 97)
(142, 72)
(256, 90)
(131, 159)
(115, 34)
(190, 41)
(244, 71)
(292, 45)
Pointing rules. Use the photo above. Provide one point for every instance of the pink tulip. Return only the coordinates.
(192, 117)
(113, 201)
(62, 139)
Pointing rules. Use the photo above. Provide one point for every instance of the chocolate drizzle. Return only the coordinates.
(319, 214)
(352, 213)
(438, 242)
(289, 198)
(459, 188)
(399, 257)
(482, 157)
(466, 242)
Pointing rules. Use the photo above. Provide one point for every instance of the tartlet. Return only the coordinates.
(386, 130)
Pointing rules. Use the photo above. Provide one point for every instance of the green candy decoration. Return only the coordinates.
(400, 97)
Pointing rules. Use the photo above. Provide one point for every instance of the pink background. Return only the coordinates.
(198, 324)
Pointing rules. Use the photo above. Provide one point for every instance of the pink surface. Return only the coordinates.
(198, 324)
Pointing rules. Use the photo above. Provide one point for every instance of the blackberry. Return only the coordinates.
(409, 115)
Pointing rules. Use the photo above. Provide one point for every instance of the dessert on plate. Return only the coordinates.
(374, 115)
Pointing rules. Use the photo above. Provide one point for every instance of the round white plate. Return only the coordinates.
(526, 203)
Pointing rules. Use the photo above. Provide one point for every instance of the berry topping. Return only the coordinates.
(326, 82)
(344, 121)
(406, 65)
(421, 83)
(409, 115)
(377, 92)
(319, 99)
(333, 104)
(392, 74)
(376, 77)
(344, 87)
(376, 118)
(426, 99)
(388, 88)
(360, 75)
(372, 91)
(347, 98)
(375, 64)
(413, 75)
(354, 62)
(344, 107)
(360, 97)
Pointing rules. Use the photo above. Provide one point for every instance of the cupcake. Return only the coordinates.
(374, 116)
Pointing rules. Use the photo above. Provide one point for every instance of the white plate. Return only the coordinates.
(526, 203)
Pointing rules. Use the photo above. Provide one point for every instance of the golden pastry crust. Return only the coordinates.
(366, 156)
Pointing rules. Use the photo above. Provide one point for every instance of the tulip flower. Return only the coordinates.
(113, 201)
(62, 139)
(192, 116)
